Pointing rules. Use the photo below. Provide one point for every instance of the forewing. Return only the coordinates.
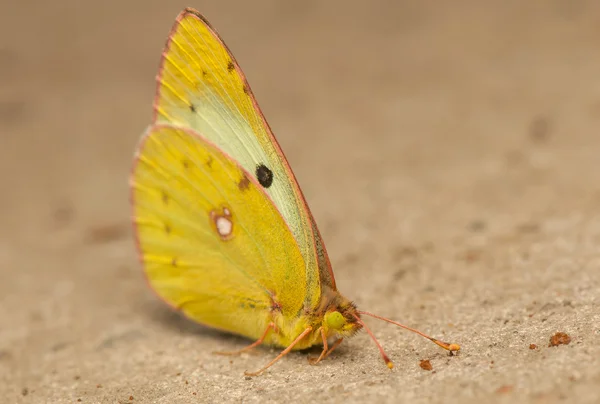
(201, 86)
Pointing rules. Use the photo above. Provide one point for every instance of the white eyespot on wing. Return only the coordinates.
(224, 226)
(222, 222)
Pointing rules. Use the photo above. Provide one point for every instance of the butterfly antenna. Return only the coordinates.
(384, 356)
(445, 345)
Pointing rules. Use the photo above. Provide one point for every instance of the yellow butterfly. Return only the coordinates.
(223, 230)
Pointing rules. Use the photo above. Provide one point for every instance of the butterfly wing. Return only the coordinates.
(201, 86)
(202, 225)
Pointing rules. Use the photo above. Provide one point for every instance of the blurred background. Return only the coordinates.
(449, 152)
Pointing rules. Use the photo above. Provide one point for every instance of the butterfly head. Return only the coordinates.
(342, 320)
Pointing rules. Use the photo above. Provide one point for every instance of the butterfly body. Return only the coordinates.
(286, 329)
(222, 228)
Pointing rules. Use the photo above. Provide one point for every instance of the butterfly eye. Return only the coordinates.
(335, 320)
(264, 175)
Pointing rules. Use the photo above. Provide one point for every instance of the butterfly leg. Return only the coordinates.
(314, 361)
(325, 353)
(270, 327)
(282, 354)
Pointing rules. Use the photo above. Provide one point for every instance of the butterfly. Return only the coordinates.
(223, 230)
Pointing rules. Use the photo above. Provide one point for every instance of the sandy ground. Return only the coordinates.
(450, 155)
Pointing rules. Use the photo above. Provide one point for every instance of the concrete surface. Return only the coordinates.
(450, 154)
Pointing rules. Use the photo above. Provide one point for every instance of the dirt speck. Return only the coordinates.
(472, 255)
(425, 364)
(13, 112)
(533, 346)
(528, 228)
(540, 129)
(477, 226)
(106, 233)
(560, 338)
(505, 389)
(4, 355)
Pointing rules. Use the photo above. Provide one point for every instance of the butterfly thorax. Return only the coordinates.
(335, 315)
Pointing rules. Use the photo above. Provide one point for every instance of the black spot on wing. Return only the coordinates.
(264, 175)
